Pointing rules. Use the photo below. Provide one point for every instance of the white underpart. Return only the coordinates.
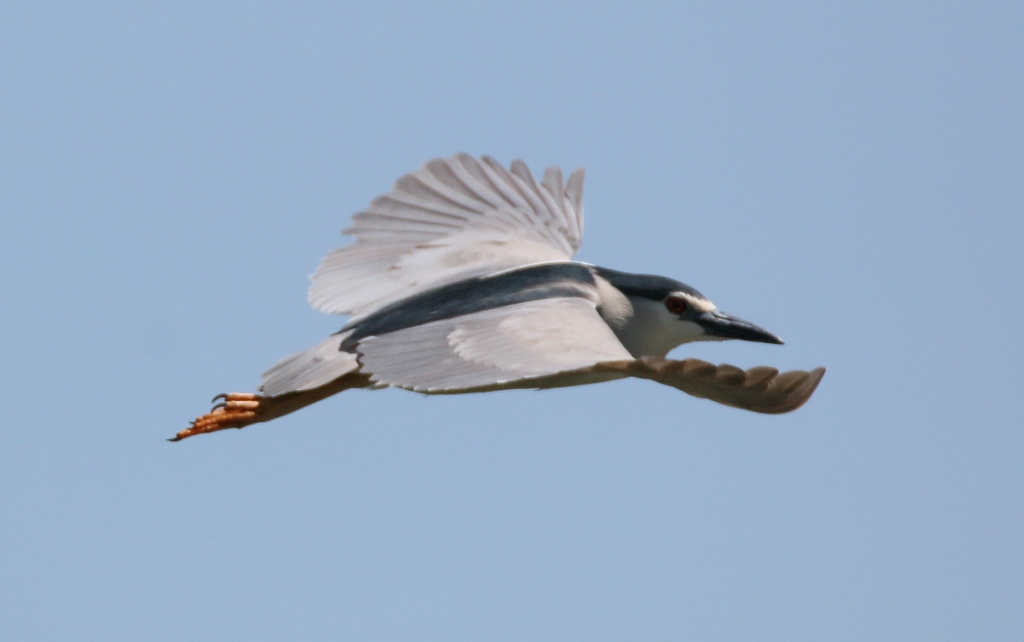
(452, 219)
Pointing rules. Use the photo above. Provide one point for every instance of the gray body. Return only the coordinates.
(631, 305)
(462, 280)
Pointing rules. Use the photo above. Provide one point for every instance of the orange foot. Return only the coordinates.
(236, 410)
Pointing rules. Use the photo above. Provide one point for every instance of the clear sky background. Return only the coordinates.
(850, 177)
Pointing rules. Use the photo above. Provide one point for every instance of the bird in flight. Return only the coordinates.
(461, 279)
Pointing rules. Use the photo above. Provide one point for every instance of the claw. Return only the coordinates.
(230, 410)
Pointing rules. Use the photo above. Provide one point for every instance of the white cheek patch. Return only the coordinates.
(688, 331)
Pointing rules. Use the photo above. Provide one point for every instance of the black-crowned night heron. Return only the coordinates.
(461, 280)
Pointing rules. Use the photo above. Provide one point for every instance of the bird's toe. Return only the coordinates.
(235, 410)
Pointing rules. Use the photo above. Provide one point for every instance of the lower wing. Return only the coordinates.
(759, 389)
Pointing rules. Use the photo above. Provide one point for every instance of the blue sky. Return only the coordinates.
(848, 177)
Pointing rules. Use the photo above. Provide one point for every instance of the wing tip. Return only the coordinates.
(801, 391)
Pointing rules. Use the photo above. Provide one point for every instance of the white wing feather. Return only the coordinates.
(310, 368)
(492, 347)
(452, 219)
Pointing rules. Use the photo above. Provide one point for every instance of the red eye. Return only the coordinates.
(676, 304)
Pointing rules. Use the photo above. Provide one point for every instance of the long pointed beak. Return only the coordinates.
(720, 324)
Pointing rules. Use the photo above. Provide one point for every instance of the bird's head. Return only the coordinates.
(663, 313)
(707, 323)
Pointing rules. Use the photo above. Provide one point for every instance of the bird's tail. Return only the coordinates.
(311, 368)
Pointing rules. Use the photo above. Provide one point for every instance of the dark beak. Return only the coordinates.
(720, 324)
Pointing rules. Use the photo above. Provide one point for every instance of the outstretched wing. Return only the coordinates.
(494, 347)
(760, 389)
(452, 219)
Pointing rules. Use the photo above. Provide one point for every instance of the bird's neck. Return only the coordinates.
(647, 330)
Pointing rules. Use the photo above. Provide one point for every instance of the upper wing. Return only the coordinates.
(493, 347)
(452, 219)
(760, 389)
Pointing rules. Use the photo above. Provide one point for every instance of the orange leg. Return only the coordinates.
(241, 409)
(237, 410)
